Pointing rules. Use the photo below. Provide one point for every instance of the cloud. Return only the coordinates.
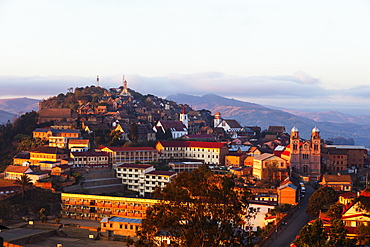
(300, 85)
(291, 91)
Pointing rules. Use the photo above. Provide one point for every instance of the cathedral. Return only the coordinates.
(304, 156)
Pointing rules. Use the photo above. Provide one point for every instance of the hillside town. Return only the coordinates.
(105, 154)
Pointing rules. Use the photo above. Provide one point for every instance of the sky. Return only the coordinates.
(310, 55)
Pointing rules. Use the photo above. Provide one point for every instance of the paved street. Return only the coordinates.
(287, 234)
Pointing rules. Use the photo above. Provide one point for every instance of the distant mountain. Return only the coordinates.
(329, 116)
(250, 114)
(5, 116)
(19, 105)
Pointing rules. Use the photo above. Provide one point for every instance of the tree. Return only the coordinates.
(321, 199)
(335, 211)
(363, 233)
(134, 132)
(198, 209)
(114, 138)
(312, 235)
(337, 236)
(24, 181)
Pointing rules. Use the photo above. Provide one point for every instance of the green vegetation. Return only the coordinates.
(11, 135)
(363, 232)
(321, 200)
(198, 209)
(24, 181)
(13, 208)
(71, 100)
(335, 211)
(312, 235)
(337, 235)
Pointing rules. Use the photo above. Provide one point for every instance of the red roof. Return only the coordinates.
(16, 169)
(173, 125)
(192, 144)
(365, 194)
(136, 166)
(89, 153)
(348, 195)
(129, 148)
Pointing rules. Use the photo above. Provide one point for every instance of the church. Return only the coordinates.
(304, 155)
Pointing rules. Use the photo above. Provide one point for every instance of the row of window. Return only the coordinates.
(146, 182)
(147, 176)
(189, 149)
(123, 226)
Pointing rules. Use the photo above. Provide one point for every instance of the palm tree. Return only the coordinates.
(24, 181)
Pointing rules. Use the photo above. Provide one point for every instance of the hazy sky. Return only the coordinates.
(297, 54)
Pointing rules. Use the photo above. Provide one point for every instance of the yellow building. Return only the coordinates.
(235, 159)
(46, 133)
(266, 160)
(45, 153)
(120, 226)
(95, 207)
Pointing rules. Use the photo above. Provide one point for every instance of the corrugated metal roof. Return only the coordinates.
(122, 220)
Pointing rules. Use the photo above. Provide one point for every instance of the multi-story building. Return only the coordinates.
(356, 155)
(268, 163)
(235, 159)
(79, 145)
(212, 153)
(58, 141)
(51, 154)
(334, 160)
(130, 155)
(46, 133)
(143, 178)
(95, 207)
(90, 158)
(305, 156)
(185, 166)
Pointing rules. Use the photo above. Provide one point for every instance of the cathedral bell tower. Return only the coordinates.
(294, 140)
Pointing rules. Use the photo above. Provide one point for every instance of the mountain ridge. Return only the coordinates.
(251, 114)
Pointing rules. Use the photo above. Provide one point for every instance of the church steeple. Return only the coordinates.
(184, 117)
(124, 92)
(217, 119)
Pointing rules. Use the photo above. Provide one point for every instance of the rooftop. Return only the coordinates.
(135, 166)
(191, 144)
(128, 148)
(161, 173)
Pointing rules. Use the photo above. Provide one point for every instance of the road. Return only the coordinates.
(287, 234)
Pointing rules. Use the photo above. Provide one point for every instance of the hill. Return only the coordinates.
(19, 105)
(250, 114)
(329, 116)
(5, 116)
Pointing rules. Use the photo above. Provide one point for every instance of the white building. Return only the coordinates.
(212, 153)
(142, 178)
